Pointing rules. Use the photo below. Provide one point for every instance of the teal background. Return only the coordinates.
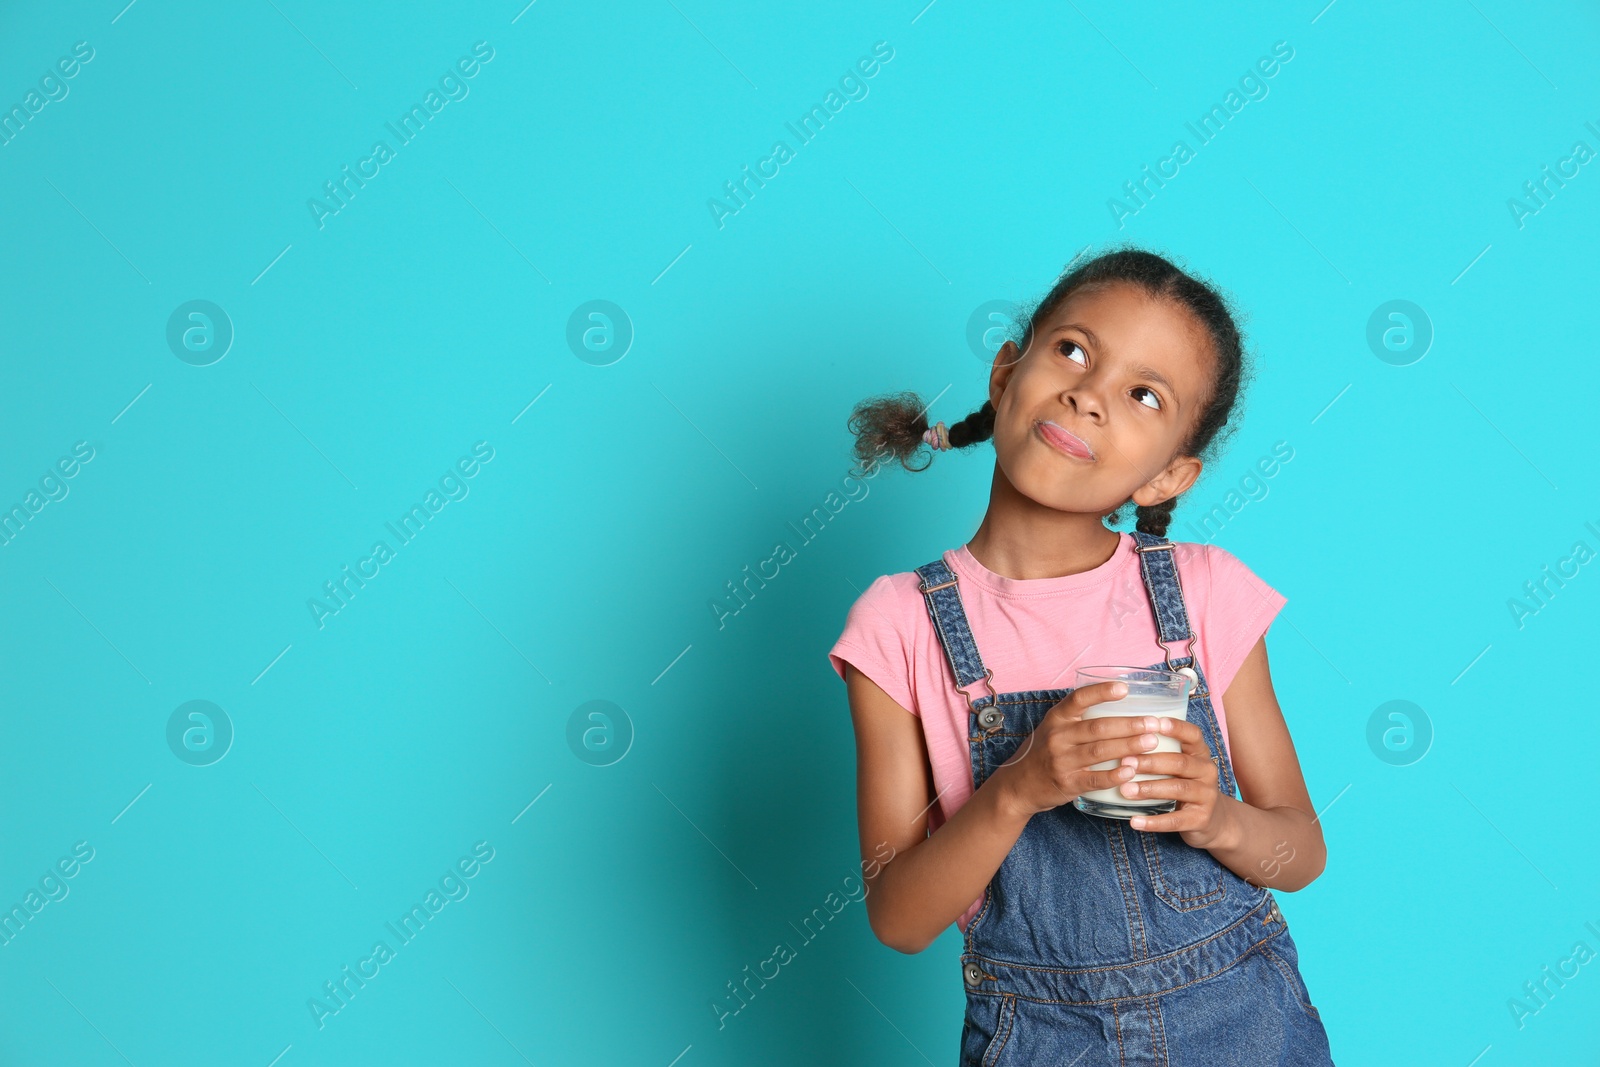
(372, 753)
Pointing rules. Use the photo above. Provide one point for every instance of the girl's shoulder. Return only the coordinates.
(1212, 564)
(876, 635)
(890, 610)
(1230, 607)
(889, 600)
(1223, 593)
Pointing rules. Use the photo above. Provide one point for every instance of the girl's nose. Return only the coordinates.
(1084, 398)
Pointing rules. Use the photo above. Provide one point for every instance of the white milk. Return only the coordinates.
(1170, 707)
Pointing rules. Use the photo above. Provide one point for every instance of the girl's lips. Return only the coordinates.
(1063, 441)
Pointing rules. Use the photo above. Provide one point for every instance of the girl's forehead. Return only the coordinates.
(1123, 304)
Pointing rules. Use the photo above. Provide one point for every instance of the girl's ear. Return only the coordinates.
(1005, 362)
(1175, 480)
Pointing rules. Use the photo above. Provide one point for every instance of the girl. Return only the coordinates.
(1089, 941)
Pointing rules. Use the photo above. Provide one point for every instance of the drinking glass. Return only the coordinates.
(1150, 692)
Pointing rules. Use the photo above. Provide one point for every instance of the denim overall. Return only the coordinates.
(1098, 945)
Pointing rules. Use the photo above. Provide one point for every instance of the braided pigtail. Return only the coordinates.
(1155, 519)
(896, 426)
(979, 426)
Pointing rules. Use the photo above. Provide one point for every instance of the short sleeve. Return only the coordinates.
(872, 641)
(1240, 608)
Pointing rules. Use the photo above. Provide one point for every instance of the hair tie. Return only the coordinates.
(937, 437)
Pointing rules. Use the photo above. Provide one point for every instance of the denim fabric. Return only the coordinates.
(1097, 944)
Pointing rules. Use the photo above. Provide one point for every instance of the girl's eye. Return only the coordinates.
(1065, 345)
(1069, 344)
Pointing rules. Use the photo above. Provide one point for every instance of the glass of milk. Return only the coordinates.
(1150, 692)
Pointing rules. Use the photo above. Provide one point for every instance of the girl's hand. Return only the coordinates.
(1200, 818)
(1051, 767)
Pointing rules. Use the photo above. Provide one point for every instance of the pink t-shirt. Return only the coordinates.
(1033, 632)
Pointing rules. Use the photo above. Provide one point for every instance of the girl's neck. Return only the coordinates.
(1021, 538)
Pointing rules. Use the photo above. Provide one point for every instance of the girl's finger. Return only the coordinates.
(1182, 764)
(1171, 821)
(1182, 729)
(1111, 779)
(1165, 789)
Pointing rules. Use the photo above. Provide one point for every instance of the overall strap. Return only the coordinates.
(1159, 567)
(1160, 572)
(943, 597)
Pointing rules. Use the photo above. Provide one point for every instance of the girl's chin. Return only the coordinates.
(1055, 485)
(1053, 498)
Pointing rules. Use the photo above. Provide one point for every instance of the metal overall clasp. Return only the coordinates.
(991, 718)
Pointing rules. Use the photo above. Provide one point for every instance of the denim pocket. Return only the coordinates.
(987, 1029)
(1184, 877)
(1282, 952)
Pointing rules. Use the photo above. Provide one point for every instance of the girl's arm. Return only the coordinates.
(927, 882)
(1272, 837)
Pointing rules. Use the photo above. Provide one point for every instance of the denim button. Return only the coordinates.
(973, 973)
(991, 718)
(1193, 677)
